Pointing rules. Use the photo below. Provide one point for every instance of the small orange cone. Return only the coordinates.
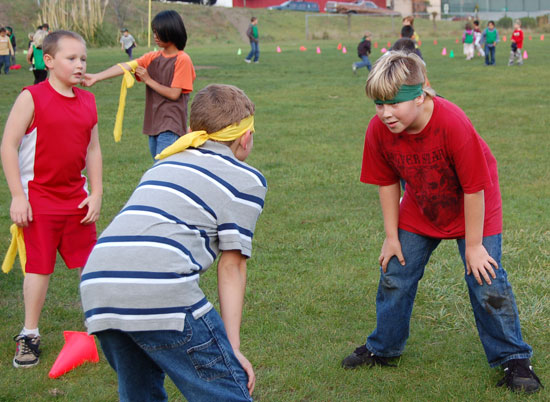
(542, 37)
(504, 38)
(376, 45)
(389, 45)
(339, 47)
(79, 347)
(435, 41)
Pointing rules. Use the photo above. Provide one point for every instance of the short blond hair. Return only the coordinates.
(38, 38)
(392, 71)
(217, 106)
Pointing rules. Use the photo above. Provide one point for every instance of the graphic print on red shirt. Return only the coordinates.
(441, 163)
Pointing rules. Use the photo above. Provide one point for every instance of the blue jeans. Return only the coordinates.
(254, 51)
(494, 306)
(5, 61)
(158, 142)
(364, 63)
(200, 361)
(490, 55)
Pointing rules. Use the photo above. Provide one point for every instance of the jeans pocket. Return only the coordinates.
(208, 360)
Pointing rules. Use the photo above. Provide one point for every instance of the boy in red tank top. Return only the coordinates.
(50, 137)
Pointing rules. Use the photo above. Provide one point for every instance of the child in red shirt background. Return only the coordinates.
(517, 44)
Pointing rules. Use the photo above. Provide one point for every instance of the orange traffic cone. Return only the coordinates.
(79, 347)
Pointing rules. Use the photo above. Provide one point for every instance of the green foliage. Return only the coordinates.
(528, 23)
(313, 275)
(505, 22)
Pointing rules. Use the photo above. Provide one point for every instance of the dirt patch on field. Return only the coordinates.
(239, 18)
(205, 67)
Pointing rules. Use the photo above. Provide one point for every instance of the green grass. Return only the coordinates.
(313, 275)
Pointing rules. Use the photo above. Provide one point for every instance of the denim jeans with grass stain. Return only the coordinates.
(494, 306)
(199, 360)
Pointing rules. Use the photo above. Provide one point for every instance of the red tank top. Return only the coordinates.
(53, 151)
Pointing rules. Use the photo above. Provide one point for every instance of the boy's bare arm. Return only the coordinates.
(94, 168)
(231, 288)
(19, 119)
(167, 92)
(478, 260)
(389, 200)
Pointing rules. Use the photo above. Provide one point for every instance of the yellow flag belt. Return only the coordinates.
(127, 82)
(197, 138)
(17, 245)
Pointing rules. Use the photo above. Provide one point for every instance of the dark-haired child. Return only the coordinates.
(490, 38)
(253, 37)
(363, 51)
(477, 39)
(168, 75)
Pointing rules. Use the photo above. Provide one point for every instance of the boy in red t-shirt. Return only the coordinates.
(517, 44)
(452, 192)
(51, 136)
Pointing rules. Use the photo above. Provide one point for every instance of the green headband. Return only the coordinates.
(406, 93)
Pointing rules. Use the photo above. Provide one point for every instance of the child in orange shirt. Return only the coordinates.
(168, 75)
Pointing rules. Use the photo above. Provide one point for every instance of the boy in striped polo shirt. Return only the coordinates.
(140, 287)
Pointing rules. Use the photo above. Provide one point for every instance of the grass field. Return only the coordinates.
(313, 275)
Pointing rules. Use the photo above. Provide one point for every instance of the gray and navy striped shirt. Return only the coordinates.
(144, 271)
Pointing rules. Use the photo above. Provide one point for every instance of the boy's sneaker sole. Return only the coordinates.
(27, 352)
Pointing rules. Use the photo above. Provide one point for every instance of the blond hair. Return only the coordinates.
(392, 71)
(38, 38)
(218, 106)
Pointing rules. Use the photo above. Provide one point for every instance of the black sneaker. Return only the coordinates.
(362, 356)
(27, 352)
(520, 377)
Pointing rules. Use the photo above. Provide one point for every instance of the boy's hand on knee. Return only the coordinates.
(247, 366)
(21, 211)
(480, 263)
(390, 248)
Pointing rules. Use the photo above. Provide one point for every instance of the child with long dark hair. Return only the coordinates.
(168, 75)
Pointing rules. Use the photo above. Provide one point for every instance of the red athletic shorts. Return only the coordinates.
(48, 233)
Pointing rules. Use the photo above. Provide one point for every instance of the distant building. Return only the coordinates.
(417, 7)
(267, 3)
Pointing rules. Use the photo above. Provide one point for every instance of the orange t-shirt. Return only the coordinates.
(175, 71)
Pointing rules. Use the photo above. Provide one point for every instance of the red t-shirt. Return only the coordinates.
(53, 152)
(517, 35)
(445, 160)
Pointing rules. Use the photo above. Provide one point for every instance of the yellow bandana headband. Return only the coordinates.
(17, 245)
(127, 82)
(197, 138)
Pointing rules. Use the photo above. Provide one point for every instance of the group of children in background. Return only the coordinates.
(473, 39)
(140, 281)
(485, 42)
